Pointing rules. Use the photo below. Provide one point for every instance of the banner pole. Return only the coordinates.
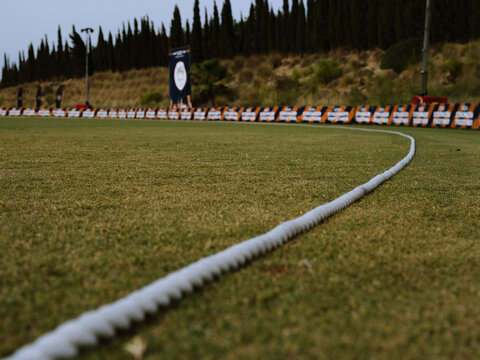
(426, 46)
(87, 41)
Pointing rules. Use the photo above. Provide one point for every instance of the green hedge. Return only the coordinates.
(400, 56)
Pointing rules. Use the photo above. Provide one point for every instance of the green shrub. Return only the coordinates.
(222, 100)
(296, 75)
(472, 61)
(453, 67)
(275, 60)
(355, 65)
(264, 70)
(287, 90)
(287, 98)
(307, 71)
(356, 97)
(238, 62)
(386, 91)
(400, 56)
(258, 81)
(49, 100)
(463, 91)
(326, 71)
(252, 96)
(382, 91)
(347, 80)
(47, 90)
(246, 75)
(208, 78)
(150, 99)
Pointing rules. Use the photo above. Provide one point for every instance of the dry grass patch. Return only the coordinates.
(360, 70)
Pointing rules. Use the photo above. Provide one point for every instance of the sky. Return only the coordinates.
(28, 21)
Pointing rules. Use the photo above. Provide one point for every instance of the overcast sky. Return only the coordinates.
(27, 21)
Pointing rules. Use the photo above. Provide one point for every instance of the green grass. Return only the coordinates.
(91, 210)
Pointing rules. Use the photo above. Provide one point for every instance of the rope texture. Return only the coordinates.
(86, 330)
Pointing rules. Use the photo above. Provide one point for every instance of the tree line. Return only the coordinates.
(296, 28)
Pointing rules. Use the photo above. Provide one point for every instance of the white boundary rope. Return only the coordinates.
(86, 330)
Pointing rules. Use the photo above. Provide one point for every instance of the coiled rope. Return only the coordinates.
(86, 330)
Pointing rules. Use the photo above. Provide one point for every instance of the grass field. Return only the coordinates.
(91, 210)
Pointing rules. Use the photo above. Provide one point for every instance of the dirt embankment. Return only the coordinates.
(340, 77)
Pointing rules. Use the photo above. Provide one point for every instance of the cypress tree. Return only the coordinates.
(259, 22)
(67, 61)
(143, 40)
(265, 15)
(262, 18)
(285, 28)
(136, 30)
(78, 53)
(5, 71)
(197, 43)
(7, 74)
(20, 68)
(110, 53)
(440, 21)
(47, 64)
(227, 31)
(301, 28)
(250, 34)
(14, 75)
(340, 36)
(187, 33)
(206, 37)
(164, 45)
(311, 33)
(358, 8)
(286, 8)
(279, 31)
(399, 20)
(52, 61)
(24, 79)
(119, 64)
(138, 55)
(293, 26)
(152, 45)
(332, 24)
(372, 23)
(412, 26)
(271, 32)
(41, 69)
(215, 33)
(151, 42)
(462, 20)
(474, 19)
(386, 30)
(241, 35)
(130, 48)
(59, 63)
(347, 39)
(123, 50)
(177, 35)
(322, 24)
(100, 50)
(160, 53)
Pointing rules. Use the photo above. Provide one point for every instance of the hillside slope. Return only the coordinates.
(338, 78)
